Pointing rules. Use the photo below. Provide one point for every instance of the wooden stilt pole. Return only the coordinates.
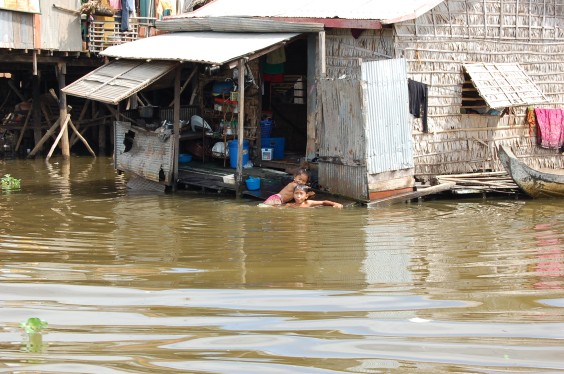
(43, 139)
(81, 138)
(65, 148)
(80, 118)
(61, 134)
(176, 135)
(240, 128)
(36, 108)
(24, 127)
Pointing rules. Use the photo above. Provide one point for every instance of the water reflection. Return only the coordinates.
(190, 283)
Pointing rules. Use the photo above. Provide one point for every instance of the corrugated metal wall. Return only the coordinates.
(386, 110)
(342, 167)
(147, 156)
(60, 29)
(16, 30)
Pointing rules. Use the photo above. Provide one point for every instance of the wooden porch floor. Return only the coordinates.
(274, 175)
(209, 176)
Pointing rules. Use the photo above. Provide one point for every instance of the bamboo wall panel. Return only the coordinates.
(345, 53)
(438, 43)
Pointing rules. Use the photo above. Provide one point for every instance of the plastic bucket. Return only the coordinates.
(253, 183)
(234, 151)
(184, 158)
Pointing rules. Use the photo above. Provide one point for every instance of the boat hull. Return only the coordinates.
(533, 182)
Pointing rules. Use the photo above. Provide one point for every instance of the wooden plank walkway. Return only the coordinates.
(485, 182)
(209, 176)
(404, 197)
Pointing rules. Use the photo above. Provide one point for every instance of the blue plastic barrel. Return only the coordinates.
(234, 151)
(265, 128)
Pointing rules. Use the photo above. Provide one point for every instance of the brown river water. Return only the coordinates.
(189, 283)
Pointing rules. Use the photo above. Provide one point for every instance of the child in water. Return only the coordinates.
(301, 199)
(301, 177)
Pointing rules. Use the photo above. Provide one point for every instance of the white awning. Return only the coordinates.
(118, 80)
(504, 85)
(216, 48)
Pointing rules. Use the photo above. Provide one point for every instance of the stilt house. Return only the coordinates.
(395, 92)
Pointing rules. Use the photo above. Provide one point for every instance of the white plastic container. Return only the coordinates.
(267, 153)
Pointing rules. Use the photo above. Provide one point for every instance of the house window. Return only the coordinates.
(489, 88)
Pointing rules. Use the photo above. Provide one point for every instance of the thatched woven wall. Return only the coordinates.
(344, 52)
(528, 32)
(436, 45)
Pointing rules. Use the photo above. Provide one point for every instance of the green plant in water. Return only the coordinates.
(33, 328)
(10, 183)
(33, 325)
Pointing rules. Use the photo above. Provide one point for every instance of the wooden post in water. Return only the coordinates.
(36, 108)
(176, 131)
(240, 128)
(61, 72)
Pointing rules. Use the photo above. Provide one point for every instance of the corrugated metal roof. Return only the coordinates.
(236, 24)
(118, 80)
(388, 12)
(504, 85)
(205, 47)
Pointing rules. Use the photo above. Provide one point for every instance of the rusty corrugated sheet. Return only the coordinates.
(386, 111)
(344, 180)
(342, 167)
(504, 85)
(149, 154)
(118, 80)
(236, 24)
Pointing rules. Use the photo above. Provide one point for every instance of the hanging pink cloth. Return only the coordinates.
(551, 127)
(115, 4)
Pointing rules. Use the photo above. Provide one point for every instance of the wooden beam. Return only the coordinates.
(185, 83)
(15, 89)
(43, 139)
(81, 138)
(412, 195)
(24, 127)
(62, 132)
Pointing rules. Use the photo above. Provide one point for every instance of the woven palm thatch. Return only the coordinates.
(436, 45)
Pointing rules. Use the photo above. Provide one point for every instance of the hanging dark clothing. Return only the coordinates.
(125, 10)
(418, 101)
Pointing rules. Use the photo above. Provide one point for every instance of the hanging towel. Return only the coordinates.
(550, 127)
(418, 101)
(531, 120)
(115, 4)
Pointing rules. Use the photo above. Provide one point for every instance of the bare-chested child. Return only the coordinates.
(301, 177)
(301, 200)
